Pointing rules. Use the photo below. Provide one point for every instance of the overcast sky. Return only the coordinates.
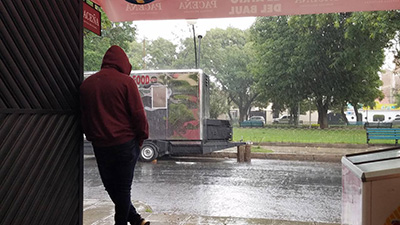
(175, 29)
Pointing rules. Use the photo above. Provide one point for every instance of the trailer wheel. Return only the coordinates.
(148, 153)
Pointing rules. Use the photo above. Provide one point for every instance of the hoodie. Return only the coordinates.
(111, 106)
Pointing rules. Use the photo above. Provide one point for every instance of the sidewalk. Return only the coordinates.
(300, 151)
(99, 212)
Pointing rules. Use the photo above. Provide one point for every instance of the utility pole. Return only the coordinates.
(198, 58)
(193, 22)
(195, 50)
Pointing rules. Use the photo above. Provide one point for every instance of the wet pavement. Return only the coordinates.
(273, 189)
(190, 190)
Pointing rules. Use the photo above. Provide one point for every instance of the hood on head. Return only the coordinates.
(116, 58)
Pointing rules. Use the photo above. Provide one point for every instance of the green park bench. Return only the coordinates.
(383, 133)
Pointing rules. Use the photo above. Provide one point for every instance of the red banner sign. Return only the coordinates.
(139, 1)
(91, 19)
(121, 10)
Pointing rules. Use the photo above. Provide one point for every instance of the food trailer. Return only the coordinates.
(177, 108)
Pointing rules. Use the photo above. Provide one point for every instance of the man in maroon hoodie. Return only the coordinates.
(114, 120)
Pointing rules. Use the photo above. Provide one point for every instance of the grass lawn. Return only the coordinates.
(346, 136)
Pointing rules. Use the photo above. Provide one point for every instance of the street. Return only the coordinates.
(274, 189)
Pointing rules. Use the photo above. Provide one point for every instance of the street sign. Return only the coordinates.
(91, 19)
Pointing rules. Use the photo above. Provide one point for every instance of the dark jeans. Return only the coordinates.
(116, 166)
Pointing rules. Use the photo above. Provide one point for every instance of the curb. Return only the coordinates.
(323, 145)
(278, 156)
(315, 145)
(298, 157)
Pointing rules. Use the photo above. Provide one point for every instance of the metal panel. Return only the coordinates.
(41, 157)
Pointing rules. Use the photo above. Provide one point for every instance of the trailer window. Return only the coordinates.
(159, 97)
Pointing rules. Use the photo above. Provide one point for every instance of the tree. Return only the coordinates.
(333, 59)
(397, 97)
(322, 40)
(185, 58)
(112, 34)
(365, 41)
(278, 80)
(226, 55)
(161, 54)
(218, 102)
(136, 55)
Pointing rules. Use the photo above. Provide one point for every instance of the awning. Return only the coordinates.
(121, 10)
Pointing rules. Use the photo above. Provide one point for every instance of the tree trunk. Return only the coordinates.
(229, 110)
(323, 118)
(295, 119)
(322, 114)
(276, 110)
(358, 116)
(344, 115)
(294, 116)
(229, 114)
(242, 114)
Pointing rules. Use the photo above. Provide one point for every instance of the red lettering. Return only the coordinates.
(141, 79)
(134, 78)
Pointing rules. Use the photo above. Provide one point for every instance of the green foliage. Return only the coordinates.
(330, 58)
(94, 50)
(185, 58)
(397, 97)
(136, 55)
(314, 126)
(227, 55)
(278, 80)
(218, 102)
(121, 34)
(161, 54)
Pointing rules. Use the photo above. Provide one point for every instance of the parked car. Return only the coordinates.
(284, 120)
(258, 118)
(254, 121)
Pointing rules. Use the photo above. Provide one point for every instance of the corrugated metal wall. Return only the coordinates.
(41, 178)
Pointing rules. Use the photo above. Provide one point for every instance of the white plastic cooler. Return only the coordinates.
(371, 188)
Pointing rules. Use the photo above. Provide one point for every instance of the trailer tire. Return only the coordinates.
(148, 153)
